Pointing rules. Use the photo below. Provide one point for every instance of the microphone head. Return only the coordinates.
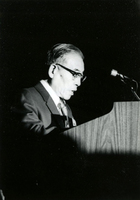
(114, 72)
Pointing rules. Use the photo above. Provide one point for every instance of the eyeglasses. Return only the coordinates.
(74, 74)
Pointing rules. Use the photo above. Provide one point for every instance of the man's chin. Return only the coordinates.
(67, 97)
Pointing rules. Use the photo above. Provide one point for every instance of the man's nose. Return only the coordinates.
(78, 81)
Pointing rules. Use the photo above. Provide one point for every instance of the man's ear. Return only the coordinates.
(52, 70)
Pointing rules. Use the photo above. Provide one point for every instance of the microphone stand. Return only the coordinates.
(126, 80)
(135, 94)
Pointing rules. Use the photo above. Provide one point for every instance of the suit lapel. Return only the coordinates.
(50, 104)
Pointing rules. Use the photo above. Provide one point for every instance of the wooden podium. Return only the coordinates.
(115, 132)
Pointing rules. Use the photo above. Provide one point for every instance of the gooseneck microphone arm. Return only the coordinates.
(135, 94)
(128, 81)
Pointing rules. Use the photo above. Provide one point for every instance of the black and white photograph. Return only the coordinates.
(69, 99)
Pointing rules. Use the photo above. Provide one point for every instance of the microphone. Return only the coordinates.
(121, 76)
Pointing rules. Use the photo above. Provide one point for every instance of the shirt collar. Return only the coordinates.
(52, 93)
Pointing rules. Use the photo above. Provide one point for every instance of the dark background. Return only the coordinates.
(107, 31)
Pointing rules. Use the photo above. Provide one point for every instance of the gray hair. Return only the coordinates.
(61, 49)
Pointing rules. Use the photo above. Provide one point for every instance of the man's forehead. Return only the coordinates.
(72, 55)
(74, 61)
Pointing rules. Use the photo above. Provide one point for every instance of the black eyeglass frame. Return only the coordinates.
(74, 74)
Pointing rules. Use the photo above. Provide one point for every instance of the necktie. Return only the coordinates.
(64, 112)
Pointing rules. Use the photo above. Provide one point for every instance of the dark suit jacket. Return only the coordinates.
(38, 113)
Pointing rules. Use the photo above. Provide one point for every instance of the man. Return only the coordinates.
(41, 107)
(42, 158)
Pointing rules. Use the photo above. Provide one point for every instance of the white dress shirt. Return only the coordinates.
(52, 93)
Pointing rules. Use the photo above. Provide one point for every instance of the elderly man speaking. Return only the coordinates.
(43, 108)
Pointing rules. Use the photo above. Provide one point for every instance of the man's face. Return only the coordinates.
(64, 83)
